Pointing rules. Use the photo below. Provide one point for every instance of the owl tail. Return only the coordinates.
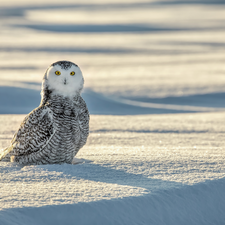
(4, 154)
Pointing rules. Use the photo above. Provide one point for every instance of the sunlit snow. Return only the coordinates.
(154, 84)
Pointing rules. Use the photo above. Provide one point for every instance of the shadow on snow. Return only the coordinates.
(18, 100)
(200, 204)
(19, 11)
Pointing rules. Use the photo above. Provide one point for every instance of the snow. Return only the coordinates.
(135, 169)
(154, 85)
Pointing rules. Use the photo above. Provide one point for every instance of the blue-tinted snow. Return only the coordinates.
(154, 85)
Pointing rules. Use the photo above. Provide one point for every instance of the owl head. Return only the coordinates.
(63, 78)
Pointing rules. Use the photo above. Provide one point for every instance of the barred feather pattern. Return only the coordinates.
(53, 133)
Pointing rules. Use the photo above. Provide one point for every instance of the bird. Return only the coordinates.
(55, 131)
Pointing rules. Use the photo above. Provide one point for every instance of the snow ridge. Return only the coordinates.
(197, 204)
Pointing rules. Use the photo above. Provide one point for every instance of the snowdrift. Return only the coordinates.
(200, 204)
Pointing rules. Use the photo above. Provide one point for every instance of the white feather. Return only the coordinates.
(64, 84)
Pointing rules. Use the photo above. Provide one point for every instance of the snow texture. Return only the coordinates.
(154, 85)
(135, 169)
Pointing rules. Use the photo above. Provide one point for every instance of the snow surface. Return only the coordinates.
(160, 169)
(154, 84)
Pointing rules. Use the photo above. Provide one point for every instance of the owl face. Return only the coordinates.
(64, 78)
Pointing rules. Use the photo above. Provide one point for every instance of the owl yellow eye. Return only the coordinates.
(57, 72)
(72, 73)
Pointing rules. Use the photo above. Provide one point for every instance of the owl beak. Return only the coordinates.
(65, 81)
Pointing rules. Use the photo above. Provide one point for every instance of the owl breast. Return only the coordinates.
(64, 143)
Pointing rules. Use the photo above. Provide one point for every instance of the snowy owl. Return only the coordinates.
(54, 132)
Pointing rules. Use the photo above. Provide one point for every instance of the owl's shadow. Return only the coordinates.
(88, 170)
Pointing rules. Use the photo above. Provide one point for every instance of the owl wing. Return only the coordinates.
(83, 118)
(33, 134)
